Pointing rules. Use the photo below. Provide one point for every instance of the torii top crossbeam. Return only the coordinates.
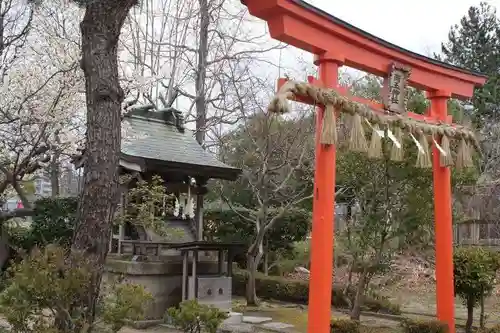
(299, 24)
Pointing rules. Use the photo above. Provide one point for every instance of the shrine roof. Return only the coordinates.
(379, 40)
(156, 137)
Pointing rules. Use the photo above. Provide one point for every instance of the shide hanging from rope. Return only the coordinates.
(390, 124)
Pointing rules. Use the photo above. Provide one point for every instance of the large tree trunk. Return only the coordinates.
(470, 315)
(100, 29)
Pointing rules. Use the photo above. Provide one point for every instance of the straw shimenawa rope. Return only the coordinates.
(398, 123)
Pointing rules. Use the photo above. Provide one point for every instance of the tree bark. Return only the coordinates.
(55, 174)
(201, 72)
(266, 263)
(360, 291)
(470, 314)
(100, 28)
(481, 315)
(252, 264)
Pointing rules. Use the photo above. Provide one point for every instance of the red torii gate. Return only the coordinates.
(335, 43)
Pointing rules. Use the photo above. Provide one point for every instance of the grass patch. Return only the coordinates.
(292, 315)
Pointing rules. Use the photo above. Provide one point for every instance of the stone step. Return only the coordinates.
(234, 318)
(256, 320)
(237, 328)
(277, 327)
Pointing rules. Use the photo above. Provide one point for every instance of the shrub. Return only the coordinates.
(53, 223)
(344, 326)
(123, 302)
(297, 291)
(377, 303)
(475, 272)
(192, 317)
(424, 326)
(20, 238)
(48, 281)
(226, 225)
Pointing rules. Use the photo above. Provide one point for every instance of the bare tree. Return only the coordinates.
(276, 156)
(15, 24)
(196, 53)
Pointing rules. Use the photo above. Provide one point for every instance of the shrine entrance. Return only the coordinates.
(336, 43)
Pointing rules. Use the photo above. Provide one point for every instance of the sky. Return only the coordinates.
(419, 26)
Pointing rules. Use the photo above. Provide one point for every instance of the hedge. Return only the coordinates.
(424, 326)
(344, 326)
(297, 291)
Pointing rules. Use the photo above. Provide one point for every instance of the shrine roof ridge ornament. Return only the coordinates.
(304, 26)
(388, 124)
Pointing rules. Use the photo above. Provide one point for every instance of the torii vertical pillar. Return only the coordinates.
(320, 282)
(445, 294)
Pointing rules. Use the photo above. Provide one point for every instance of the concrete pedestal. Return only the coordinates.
(162, 278)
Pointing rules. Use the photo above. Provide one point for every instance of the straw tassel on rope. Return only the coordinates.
(375, 150)
(397, 150)
(329, 127)
(464, 159)
(445, 158)
(357, 139)
(423, 157)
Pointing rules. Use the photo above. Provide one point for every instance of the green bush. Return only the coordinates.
(226, 225)
(53, 223)
(424, 326)
(297, 291)
(475, 270)
(192, 317)
(54, 220)
(377, 303)
(344, 326)
(44, 286)
(20, 237)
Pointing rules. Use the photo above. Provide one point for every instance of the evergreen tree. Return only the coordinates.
(475, 44)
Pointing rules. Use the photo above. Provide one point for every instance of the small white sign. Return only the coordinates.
(441, 150)
(393, 138)
(380, 133)
(419, 146)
